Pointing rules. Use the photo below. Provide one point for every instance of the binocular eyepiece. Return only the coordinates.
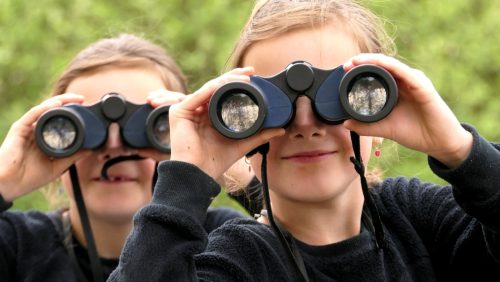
(366, 93)
(63, 131)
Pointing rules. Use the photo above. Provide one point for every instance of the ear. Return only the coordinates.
(377, 141)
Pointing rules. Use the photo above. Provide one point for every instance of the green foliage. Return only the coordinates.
(456, 43)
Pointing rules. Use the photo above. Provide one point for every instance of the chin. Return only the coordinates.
(116, 210)
(115, 216)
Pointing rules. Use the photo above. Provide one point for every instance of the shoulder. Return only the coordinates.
(411, 193)
(218, 216)
(404, 187)
(30, 223)
(244, 250)
(242, 233)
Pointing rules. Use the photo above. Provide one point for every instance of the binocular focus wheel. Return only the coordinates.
(299, 76)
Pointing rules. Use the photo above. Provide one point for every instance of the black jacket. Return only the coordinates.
(32, 246)
(431, 232)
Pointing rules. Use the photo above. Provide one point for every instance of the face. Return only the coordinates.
(310, 163)
(130, 184)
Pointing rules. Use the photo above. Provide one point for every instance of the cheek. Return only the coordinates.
(85, 167)
(147, 169)
(272, 158)
(341, 136)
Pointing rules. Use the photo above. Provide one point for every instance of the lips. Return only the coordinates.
(309, 155)
(114, 178)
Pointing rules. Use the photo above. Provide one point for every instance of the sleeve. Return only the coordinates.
(453, 225)
(4, 205)
(476, 188)
(8, 244)
(218, 216)
(476, 182)
(168, 241)
(169, 231)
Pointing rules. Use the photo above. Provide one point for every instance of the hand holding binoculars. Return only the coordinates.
(366, 93)
(63, 131)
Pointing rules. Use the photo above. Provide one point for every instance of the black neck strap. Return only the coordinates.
(95, 263)
(70, 248)
(360, 169)
(284, 237)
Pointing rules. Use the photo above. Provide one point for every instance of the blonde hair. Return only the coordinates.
(272, 18)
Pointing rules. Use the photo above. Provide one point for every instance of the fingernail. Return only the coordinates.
(54, 103)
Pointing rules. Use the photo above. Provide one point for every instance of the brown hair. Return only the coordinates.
(272, 18)
(124, 50)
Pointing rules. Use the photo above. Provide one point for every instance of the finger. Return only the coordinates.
(201, 96)
(34, 113)
(403, 73)
(367, 129)
(165, 97)
(60, 165)
(242, 71)
(261, 138)
(154, 154)
(69, 98)
(163, 92)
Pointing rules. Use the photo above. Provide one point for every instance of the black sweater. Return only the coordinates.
(32, 248)
(431, 232)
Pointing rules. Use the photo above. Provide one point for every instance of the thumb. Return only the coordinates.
(366, 129)
(261, 138)
(65, 163)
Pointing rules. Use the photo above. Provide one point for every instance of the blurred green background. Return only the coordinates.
(455, 42)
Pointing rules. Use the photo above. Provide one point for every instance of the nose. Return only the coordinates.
(114, 145)
(305, 124)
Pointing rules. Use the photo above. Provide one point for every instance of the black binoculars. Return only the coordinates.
(366, 93)
(63, 131)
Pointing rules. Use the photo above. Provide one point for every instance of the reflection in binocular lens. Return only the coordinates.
(239, 112)
(367, 96)
(161, 130)
(59, 133)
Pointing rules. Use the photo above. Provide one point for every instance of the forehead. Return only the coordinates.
(324, 47)
(132, 82)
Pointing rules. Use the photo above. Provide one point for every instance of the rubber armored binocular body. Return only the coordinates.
(63, 131)
(366, 93)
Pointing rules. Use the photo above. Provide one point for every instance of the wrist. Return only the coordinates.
(456, 155)
(4, 203)
(6, 192)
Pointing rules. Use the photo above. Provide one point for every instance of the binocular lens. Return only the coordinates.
(367, 96)
(59, 133)
(161, 130)
(239, 112)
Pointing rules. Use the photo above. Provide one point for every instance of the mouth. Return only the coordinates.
(310, 156)
(114, 179)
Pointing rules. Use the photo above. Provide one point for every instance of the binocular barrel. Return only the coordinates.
(367, 93)
(63, 131)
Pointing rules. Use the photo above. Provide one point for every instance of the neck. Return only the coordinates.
(109, 237)
(324, 223)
